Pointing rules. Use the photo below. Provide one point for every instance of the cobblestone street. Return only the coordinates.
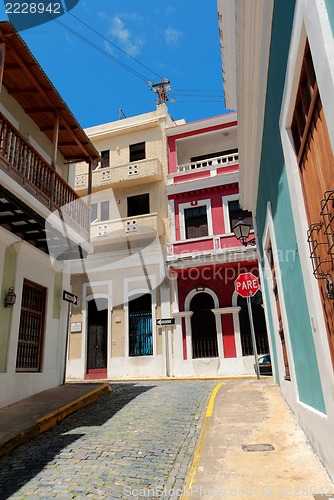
(141, 436)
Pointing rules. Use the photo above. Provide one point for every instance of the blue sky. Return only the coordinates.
(177, 40)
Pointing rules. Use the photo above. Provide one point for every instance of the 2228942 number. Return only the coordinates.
(33, 8)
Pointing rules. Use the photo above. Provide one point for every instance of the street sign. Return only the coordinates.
(246, 284)
(165, 321)
(70, 297)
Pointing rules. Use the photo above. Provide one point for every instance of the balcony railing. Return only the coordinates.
(138, 227)
(219, 161)
(24, 164)
(141, 172)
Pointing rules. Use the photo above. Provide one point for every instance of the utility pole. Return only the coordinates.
(161, 90)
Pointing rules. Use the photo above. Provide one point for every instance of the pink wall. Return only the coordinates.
(215, 195)
(172, 159)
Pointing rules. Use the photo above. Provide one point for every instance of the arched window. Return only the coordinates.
(203, 327)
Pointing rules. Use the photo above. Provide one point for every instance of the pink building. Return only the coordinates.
(212, 334)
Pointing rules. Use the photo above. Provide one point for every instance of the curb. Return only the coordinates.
(199, 446)
(51, 419)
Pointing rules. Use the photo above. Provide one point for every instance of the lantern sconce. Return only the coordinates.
(10, 298)
(241, 231)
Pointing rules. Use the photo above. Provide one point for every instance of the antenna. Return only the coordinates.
(161, 89)
(121, 114)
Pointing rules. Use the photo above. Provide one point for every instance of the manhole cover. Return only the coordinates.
(258, 447)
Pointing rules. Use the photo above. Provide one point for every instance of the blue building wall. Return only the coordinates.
(273, 187)
(330, 11)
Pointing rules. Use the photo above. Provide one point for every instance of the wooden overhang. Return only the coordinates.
(26, 81)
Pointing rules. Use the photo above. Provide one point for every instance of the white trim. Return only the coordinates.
(107, 284)
(201, 183)
(226, 310)
(171, 220)
(227, 221)
(270, 238)
(199, 203)
(139, 291)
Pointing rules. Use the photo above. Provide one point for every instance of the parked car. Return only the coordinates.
(265, 365)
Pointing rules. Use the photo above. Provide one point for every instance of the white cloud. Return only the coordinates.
(121, 34)
(172, 36)
(169, 9)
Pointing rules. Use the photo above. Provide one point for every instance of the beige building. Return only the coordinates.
(121, 286)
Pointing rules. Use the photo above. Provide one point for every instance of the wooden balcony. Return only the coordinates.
(20, 161)
(131, 174)
(140, 227)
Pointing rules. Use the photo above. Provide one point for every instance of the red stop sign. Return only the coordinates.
(246, 284)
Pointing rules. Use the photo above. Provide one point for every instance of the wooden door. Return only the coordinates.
(97, 337)
(316, 164)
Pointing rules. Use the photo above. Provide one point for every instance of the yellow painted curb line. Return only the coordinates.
(51, 419)
(199, 446)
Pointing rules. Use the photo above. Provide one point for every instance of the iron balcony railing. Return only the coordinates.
(23, 163)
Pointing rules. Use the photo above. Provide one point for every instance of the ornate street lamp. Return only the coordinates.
(241, 231)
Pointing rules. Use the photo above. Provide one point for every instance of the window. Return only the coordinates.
(105, 210)
(140, 326)
(105, 155)
(235, 213)
(138, 205)
(196, 222)
(137, 151)
(99, 211)
(31, 330)
(93, 213)
(307, 95)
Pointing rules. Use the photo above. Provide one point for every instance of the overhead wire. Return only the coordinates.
(113, 44)
(127, 67)
(101, 50)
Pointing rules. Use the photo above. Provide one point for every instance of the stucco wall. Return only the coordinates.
(273, 187)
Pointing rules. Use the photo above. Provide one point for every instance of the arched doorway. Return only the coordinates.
(97, 334)
(259, 326)
(140, 326)
(203, 327)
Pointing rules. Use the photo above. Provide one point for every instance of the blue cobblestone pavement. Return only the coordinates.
(138, 441)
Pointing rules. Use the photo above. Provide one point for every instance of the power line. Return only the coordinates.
(113, 44)
(199, 90)
(188, 100)
(102, 51)
(198, 95)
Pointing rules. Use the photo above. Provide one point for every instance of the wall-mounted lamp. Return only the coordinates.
(10, 298)
(241, 231)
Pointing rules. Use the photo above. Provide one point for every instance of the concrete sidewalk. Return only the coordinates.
(252, 447)
(25, 419)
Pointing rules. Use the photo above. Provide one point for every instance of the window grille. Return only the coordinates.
(31, 330)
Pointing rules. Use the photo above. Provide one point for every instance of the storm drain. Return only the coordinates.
(257, 447)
